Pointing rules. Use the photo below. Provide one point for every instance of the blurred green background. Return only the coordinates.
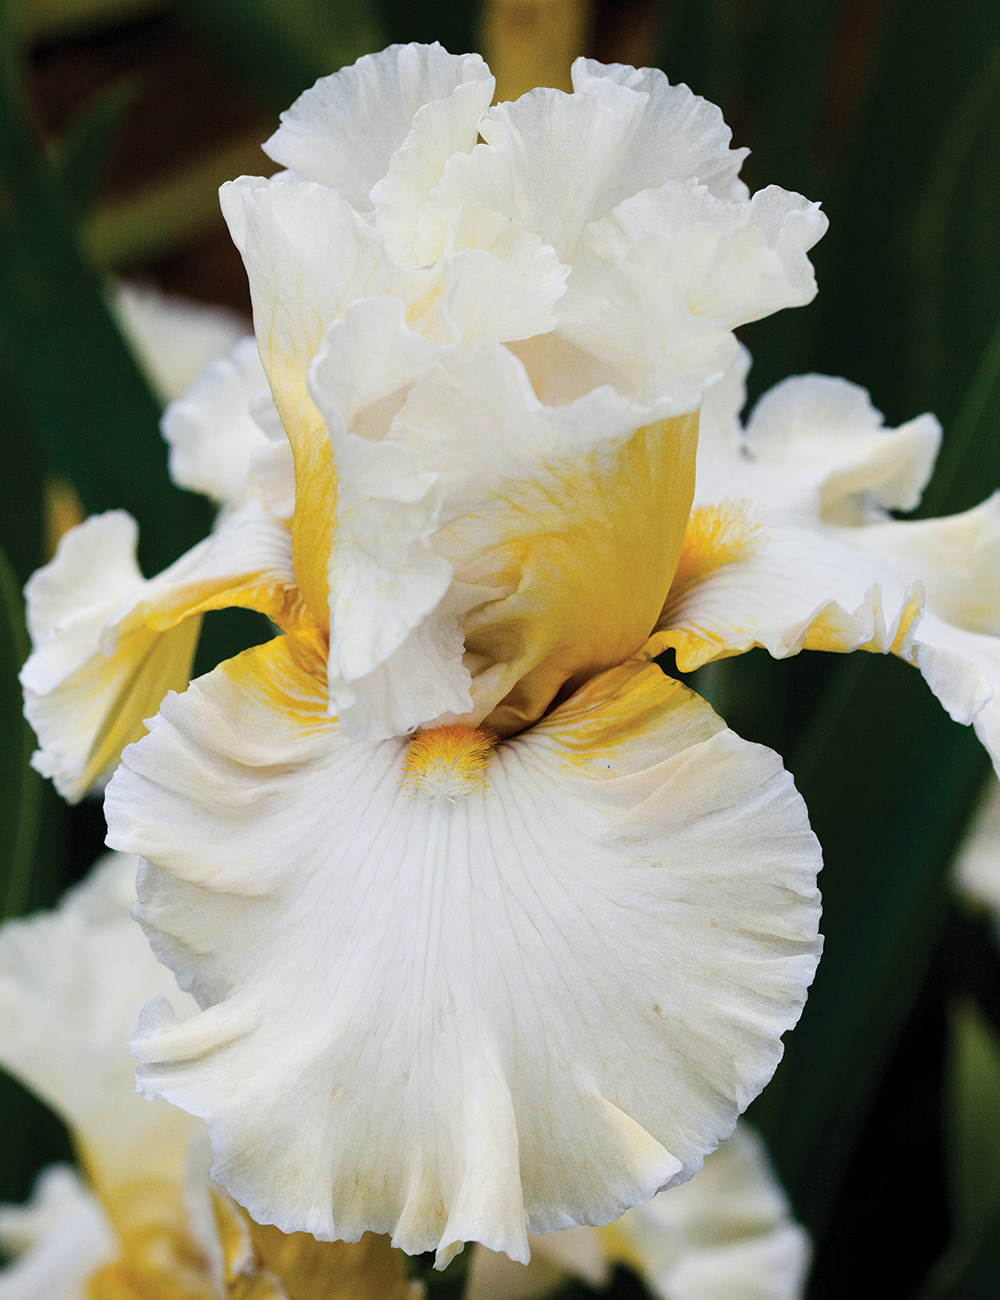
(118, 121)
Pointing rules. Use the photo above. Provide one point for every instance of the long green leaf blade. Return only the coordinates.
(96, 412)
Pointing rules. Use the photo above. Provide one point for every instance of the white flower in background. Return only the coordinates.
(791, 546)
(523, 968)
(70, 982)
(143, 1223)
(977, 866)
(173, 339)
(727, 1234)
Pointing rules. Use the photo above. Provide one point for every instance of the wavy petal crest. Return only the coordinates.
(508, 1010)
(346, 129)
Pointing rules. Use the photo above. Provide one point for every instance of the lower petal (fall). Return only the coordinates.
(530, 1005)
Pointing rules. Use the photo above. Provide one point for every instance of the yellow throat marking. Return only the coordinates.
(445, 763)
(717, 535)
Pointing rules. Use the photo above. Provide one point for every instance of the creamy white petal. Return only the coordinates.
(211, 431)
(748, 577)
(500, 280)
(57, 1241)
(957, 558)
(384, 577)
(345, 130)
(658, 285)
(549, 161)
(506, 1009)
(440, 129)
(680, 135)
(107, 643)
(558, 162)
(70, 984)
(821, 435)
(173, 338)
(725, 1235)
(308, 257)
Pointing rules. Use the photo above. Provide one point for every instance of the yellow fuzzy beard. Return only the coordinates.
(448, 762)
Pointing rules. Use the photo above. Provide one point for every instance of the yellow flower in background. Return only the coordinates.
(143, 1222)
(492, 926)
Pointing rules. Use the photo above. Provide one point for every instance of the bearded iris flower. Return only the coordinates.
(492, 925)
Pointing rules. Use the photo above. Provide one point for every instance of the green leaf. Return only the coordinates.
(955, 244)
(81, 156)
(278, 48)
(96, 413)
(973, 1130)
(901, 159)
(19, 783)
(971, 1266)
(968, 469)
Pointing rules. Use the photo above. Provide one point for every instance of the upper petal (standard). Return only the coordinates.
(344, 131)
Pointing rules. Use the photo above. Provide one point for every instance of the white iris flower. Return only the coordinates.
(492, 925)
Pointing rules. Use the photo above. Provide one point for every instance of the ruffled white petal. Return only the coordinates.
(658, 284)
(385, 578)
(545, 163)
(440, 129)
(70, 984)
(346, 129)
(173, 339)
(821, 435)
(308, 257)
(508, 1010)
(558, 162)
(680, 135)
(107, 643)
(57, 1241)
(222, 430)
(780, 553)
(957, 558)
(746, 579)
